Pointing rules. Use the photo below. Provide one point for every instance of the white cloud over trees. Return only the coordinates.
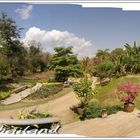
(55, 38)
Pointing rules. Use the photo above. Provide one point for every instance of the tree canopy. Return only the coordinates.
(65, 63)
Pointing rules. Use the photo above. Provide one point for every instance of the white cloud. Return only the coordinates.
(25, 11)
(51, 39)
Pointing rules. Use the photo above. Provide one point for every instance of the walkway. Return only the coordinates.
(14, 98)
(121, 124)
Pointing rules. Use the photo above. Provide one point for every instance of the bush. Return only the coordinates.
(83, 90)
(46, 90)
(4, 94)
(113, 109)
(94, 110)
(34, 115)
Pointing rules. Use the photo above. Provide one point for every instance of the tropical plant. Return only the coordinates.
(83, 90)
(104, 70)
(127, 92)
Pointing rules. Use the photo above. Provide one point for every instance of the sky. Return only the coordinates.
(86, 29)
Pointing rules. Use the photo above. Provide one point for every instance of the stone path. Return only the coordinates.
(21, 95)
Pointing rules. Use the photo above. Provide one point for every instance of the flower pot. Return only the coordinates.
(129, 107)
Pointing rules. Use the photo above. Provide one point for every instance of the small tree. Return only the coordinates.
(83, 90)
(65, 64)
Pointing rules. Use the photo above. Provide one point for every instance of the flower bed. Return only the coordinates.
(46, 90)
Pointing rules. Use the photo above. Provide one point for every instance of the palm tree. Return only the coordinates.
(102, 55)
(132, 58)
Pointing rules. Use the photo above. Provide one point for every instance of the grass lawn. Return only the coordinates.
(106, 94)
(27, 103)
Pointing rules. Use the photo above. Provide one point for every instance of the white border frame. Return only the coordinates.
(125, 5)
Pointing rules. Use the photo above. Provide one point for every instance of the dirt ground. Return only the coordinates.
(59, 107)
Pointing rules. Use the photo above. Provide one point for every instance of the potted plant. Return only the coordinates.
(127, 93)
(84, 92)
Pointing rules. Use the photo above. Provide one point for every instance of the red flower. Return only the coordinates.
(127, 92)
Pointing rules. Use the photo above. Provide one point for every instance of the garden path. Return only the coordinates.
(59, 107)
(121, 124)
(16, 97)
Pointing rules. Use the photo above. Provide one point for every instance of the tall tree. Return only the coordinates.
(36, 61)
(11, 46)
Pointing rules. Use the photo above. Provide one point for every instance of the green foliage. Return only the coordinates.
(113, 109)
(83, 89)
(33, 115)
(117, 63)
(65, 64)
(104, 70)
(46, 90)
(4, 94)
(93, 110)
(86, 65)
(11, 48)
(3, 69)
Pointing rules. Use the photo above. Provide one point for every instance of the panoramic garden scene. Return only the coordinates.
(75, 67)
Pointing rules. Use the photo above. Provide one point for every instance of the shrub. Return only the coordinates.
(113, 109)
(127, 92)
(83, 90)
(33, 115)
(94, 110)
(104, 70)
(4, 94)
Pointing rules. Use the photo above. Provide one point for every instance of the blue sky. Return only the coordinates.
(87, 29)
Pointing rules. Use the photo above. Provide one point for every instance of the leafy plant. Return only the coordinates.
(113, 109)
(83, 90)
(94, 110)
(33, 114)
(4, 94)
(127, 92)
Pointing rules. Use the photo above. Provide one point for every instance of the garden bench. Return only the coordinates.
(23, 122)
